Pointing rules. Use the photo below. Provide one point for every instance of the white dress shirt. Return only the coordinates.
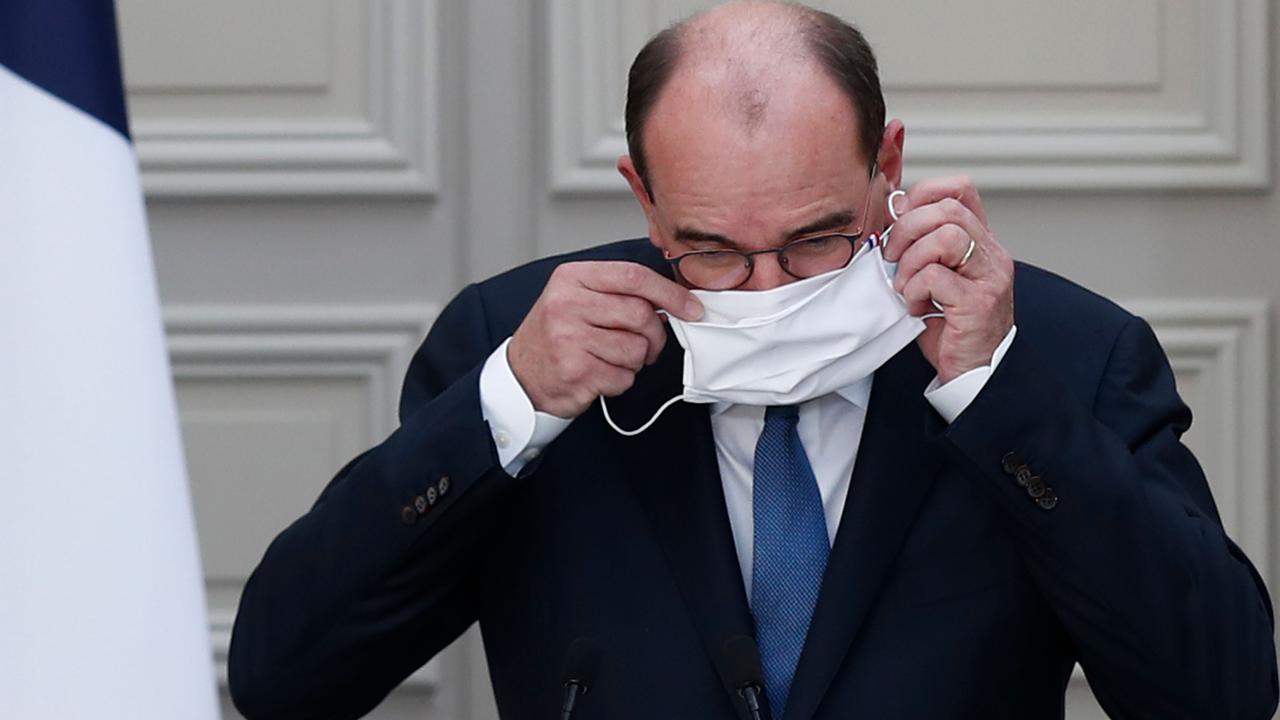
(830, 429)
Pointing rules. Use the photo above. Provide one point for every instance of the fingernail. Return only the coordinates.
(693, 308)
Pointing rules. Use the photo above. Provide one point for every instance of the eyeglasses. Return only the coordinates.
(802, 258)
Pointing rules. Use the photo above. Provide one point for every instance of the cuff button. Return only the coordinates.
(420, 503)
(408, 515)
(1011, 462)
(432, 496)
(1024, 476)
(443, 485)
(1036, 487)
(1047, 501)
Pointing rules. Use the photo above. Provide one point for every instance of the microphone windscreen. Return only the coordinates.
(742, 658)
(581, 661)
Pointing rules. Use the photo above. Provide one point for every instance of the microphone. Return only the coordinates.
(579, 672)
(742, 658)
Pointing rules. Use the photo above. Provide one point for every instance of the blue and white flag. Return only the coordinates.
(102, 611)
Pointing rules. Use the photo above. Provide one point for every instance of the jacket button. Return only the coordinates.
(1036, 487)
(420, 504)
(408, 515)
(1047, 501)
(1024, 475)
(1011, 462)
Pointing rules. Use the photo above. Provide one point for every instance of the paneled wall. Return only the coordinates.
(323, 175)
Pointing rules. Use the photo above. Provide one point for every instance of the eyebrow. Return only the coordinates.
(831, 221)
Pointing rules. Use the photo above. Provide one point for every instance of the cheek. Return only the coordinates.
(878, 212)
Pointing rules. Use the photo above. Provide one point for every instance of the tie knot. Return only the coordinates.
(785, 413)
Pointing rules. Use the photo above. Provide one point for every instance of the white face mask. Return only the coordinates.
(795, 342)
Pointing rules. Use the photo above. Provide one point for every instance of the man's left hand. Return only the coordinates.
(938, 220)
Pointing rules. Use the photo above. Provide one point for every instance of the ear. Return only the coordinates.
(890, 159)
(627, 168)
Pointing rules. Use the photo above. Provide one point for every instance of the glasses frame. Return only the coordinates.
(749, 256)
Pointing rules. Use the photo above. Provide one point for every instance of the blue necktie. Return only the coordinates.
(791, 550)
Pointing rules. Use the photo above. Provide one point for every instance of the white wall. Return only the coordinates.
(322, 176)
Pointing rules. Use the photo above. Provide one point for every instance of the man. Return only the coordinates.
(1005, 497)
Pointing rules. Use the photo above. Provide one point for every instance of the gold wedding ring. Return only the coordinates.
(967, 254)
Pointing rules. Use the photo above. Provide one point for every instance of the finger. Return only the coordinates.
(944, 246)
(959, 187)
(922, 220)
(656, 333)
(628, 278)
(618, 348)
(935, 282)
(624, 312)
(921, 308)
(610, 380)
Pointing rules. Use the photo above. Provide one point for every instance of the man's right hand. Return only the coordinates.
(594, 326)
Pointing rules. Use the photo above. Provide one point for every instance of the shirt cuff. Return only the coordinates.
(520, 433)
(951, 399)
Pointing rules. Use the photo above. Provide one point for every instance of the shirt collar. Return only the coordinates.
(857, 392)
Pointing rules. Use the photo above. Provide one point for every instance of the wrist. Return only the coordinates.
(983, 359)
(562, 406)
(946, 376)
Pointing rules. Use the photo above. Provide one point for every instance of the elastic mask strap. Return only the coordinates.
(604, 407)
(883, 241)
(893, 211)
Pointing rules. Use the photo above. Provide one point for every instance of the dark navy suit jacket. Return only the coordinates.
(950, 591)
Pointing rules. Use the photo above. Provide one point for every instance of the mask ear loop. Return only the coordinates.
(893, 211)
(884, 245)
(883, 239)
(604, 407)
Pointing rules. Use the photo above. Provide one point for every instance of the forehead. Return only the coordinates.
(722, 151)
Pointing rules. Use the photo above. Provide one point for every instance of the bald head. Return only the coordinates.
(742, 59)
(740, 55)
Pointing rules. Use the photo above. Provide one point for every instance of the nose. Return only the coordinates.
(767, 274)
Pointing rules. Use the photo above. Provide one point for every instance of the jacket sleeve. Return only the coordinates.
(1169, 618)
(377, 577)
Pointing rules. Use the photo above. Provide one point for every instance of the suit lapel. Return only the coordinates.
(894, 472)
(672, 469)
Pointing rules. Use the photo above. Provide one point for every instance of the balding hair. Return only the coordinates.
(748, 47)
